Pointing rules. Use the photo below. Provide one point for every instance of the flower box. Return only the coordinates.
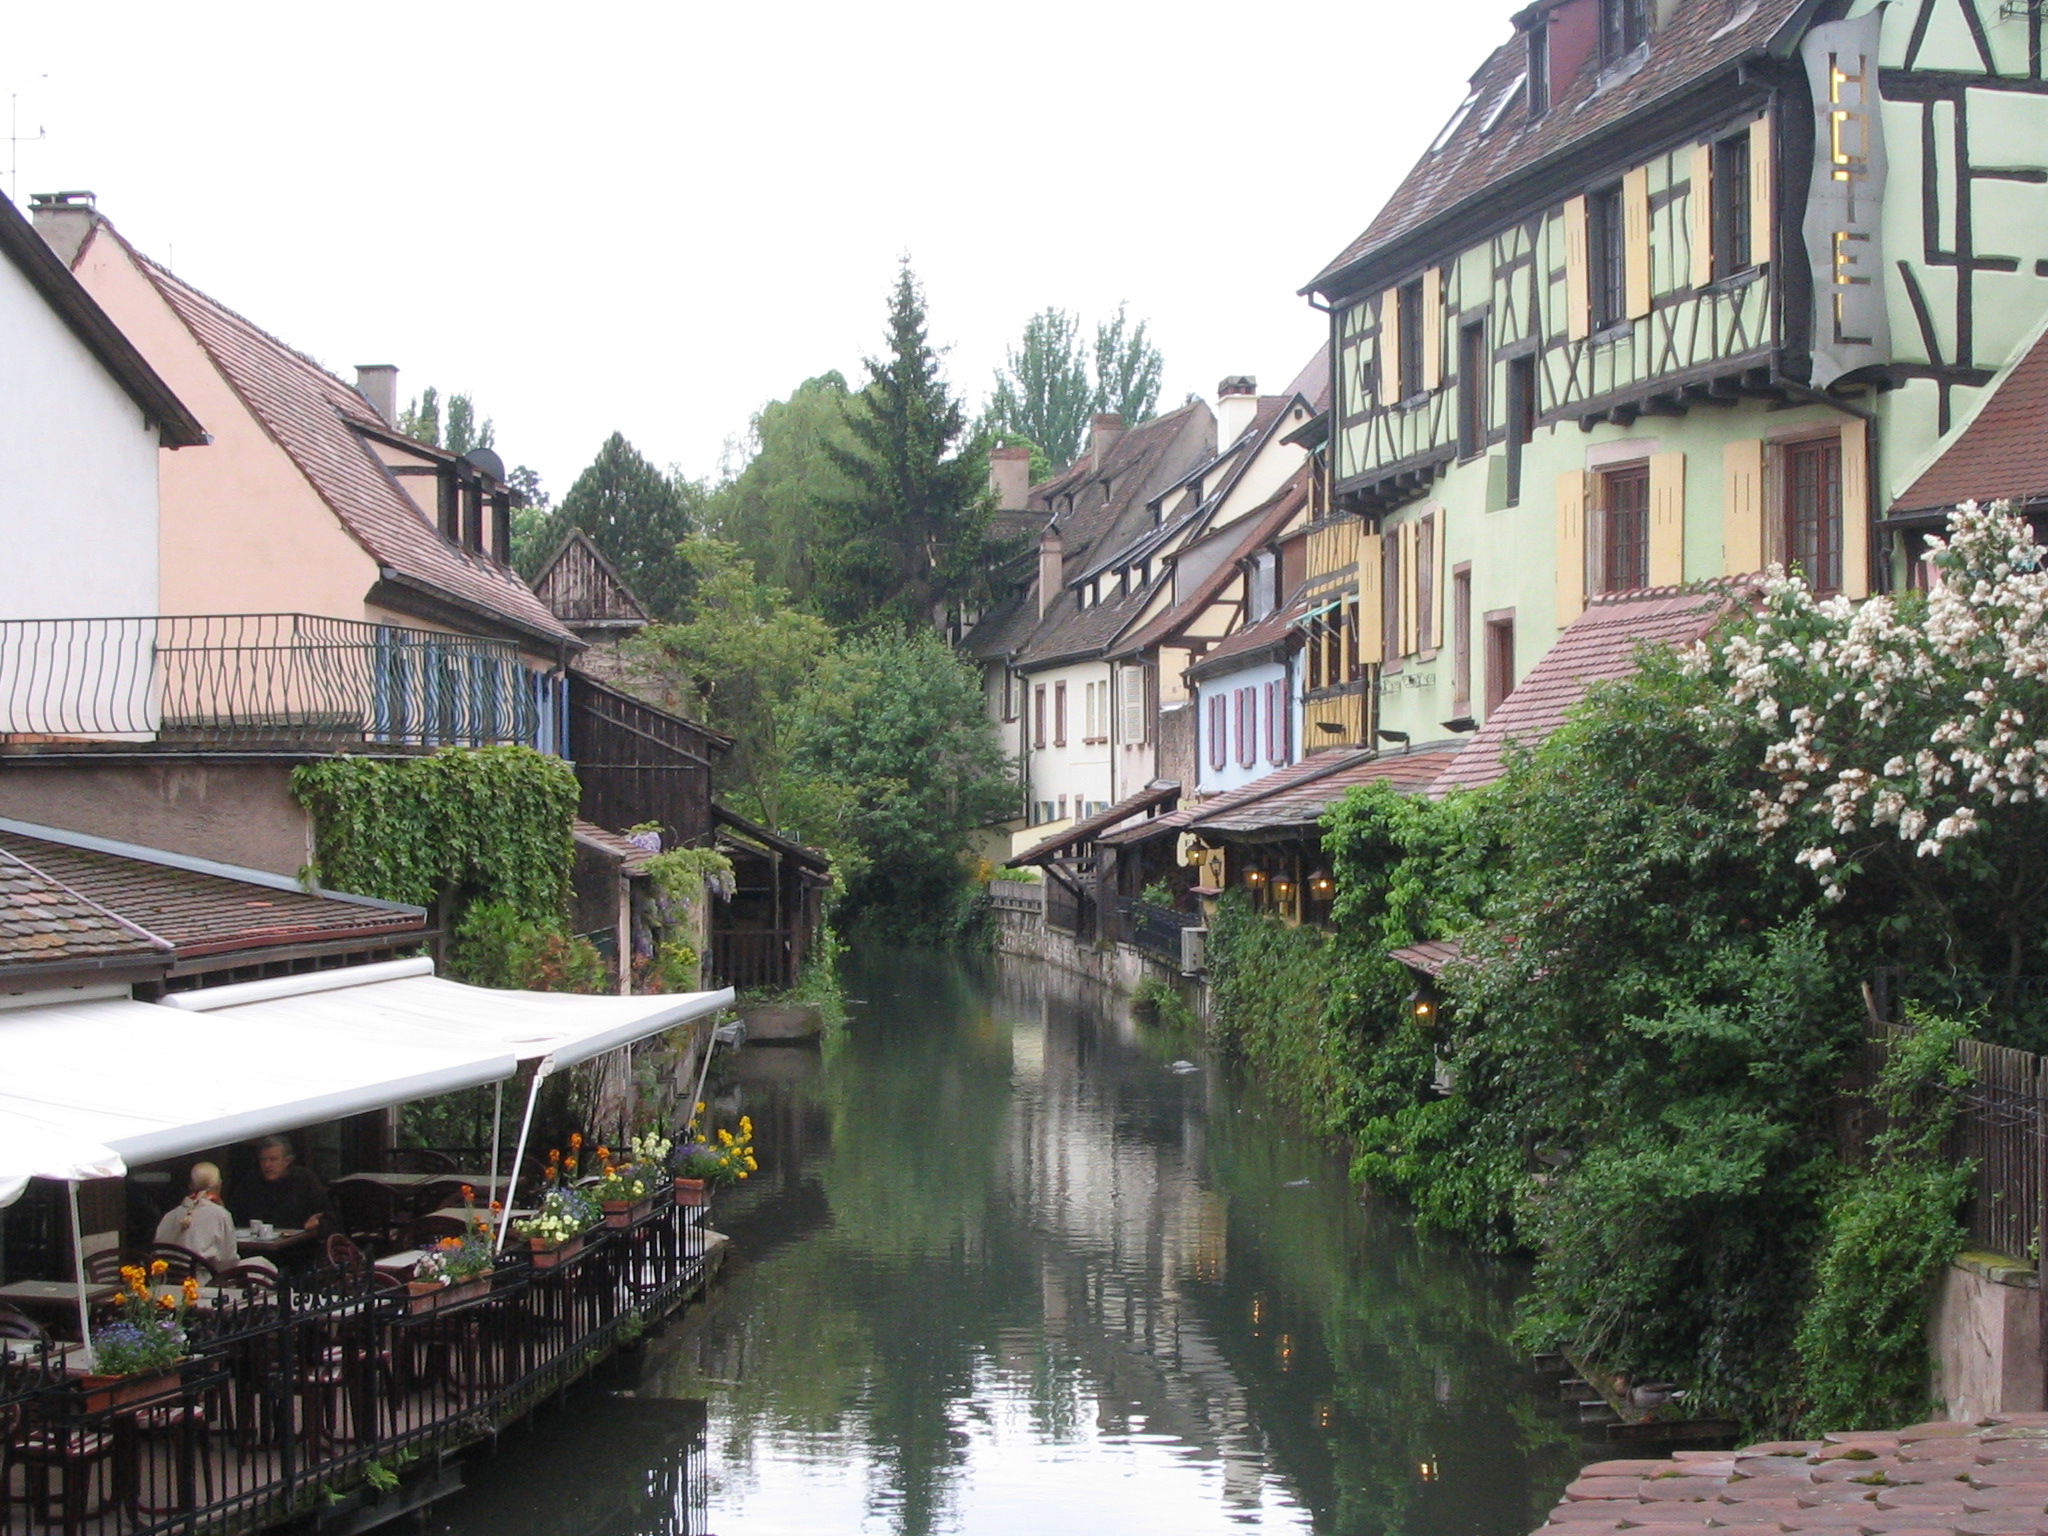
(623, 1213)
(428, 1296)
(692, 1192)
(104, 1392)
(547, 1255)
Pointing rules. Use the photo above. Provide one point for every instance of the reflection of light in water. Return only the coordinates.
(1427, 1470)
(1285, 1350)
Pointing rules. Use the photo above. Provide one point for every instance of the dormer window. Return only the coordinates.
(1624, 27)
(1539, 68)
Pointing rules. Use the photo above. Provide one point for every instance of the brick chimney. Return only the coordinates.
(1103, 433)
(1052, 567)
(378, 384)
(64, 220)
(1237, 402)
(1009, 476)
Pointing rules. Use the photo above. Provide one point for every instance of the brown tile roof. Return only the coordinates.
(1293, 774)
(1600, 644)
(309, 412)
(2002, 453)
(1069, 632)
(1305, 804)
(1429, 957)
(1107, 500)
(631, 856)
(1983, 1479)
(1159, 792)
(43, 922)
(1000, 631)
(203, 913)
(1700, 38)
(1276, 628)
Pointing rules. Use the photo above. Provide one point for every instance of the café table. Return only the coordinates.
(56, 1299)
(281, 1240)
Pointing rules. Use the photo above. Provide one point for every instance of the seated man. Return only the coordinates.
(287, 1195)
(199, 1221)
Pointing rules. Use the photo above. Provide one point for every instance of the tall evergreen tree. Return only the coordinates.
(911, 532)
(1042, 391)
(1127, 368)
(462, 431)
(637, 516)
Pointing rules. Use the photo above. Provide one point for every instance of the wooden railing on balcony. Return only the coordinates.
(749, 959)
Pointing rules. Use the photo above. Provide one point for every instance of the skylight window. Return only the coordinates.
(1457, 121)
(1500, 108)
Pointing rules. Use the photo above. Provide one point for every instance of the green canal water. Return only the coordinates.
(1008, 1268)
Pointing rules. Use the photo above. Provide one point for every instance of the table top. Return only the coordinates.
(402, 1182)
(31, 1349)
(283, 1238)
(400, 1263)
(48, 1291)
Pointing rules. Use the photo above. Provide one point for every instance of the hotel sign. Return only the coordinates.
(1844, 240)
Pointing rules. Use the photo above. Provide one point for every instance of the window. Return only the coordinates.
(1411, 339)
(1009, 696)
(1812, 533)
(1624, 27)
(1134, 705)
(1038, 716)
(1606, 242)
(1425, 584)
(1500, 657)
(1474, 366)
(1618, 546)
(1731, 206)
(1390, 594)
(1521, 420)
(1461, 640)
(1059, 716)
(1063, 807)
(1539, 67)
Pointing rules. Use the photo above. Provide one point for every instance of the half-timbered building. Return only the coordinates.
(1682, 288)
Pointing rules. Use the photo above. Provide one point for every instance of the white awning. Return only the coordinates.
(86, 1086)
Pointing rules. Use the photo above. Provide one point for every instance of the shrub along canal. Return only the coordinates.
(1012, 1264)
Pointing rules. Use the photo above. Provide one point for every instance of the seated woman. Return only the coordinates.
(200, 1222)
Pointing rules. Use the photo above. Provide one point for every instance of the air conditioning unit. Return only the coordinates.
(1194, 951)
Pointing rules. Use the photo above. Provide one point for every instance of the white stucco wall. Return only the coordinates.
(1080, 770)
(78, 490)
(1224, 685)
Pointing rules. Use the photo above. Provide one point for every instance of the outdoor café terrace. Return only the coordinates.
(336, 1386)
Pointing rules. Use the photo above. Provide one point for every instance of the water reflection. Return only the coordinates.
(1004, 1270)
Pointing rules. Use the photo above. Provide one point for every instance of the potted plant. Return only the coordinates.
(455, 1269)
(705, 1165)
(554, 1232)
(624, 1190)
(137, 1355)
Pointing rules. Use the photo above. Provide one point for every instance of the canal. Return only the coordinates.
(1015, 1263)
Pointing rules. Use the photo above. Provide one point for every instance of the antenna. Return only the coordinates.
(14, 143)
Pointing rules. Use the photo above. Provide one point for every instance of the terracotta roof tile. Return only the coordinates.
(202, 913)
(1280, 778)
(1159, 792)
(42, 922)
(1278, 627)
(631, 856)
(1259, 525)
(1598, 645)
(1304, 806)
(2002, 453)
(309, 412)
(1699, 38)
(1430, 957)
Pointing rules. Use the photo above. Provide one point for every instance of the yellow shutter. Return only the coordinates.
(1433, 328)
(1408, 542)
(1571, 546)
(1760, 191)
(1699, 211)
(1635, 243)
(1578, 291)
(1371, 627)
(1438, 582)
(1667, 519)
(1742, 507)
(1855, 510)
(1390, 346)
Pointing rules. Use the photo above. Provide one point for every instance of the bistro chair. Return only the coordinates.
(181, 1263)
(61, 1455)
(344, 1255)
(104, 1267)
(418, 1160)
(425, 1231)
(368, 1212)
(19, 1325)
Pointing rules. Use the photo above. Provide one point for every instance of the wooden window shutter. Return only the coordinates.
(1408, 589)
(1578, 288)
(1436, 566)
(1390, 346)
(1571, 546)
(1635, 244)
(1855, 509)
(1272, 725)
(1284, 698)
(1059, 714)
(1433, 328)
(1699, 214)
(1371, 627)
(1742, 507)
(1667, 519)
(1760, 241)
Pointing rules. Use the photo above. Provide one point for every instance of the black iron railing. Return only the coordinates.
(330, 1391)
(215, 680)
(1156, 930)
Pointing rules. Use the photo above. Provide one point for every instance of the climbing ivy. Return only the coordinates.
(465, 824)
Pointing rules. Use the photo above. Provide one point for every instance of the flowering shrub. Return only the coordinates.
(461, 1258)
(617, 1181)
(149, 1331)
(724, 1159)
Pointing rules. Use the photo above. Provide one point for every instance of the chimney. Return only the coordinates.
(378, 384)
(1052, 566)
(1009, 476)
(1237, 402)
(64, 220)
(1103, 433)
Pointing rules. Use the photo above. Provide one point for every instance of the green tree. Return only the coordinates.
(1042, 391)
(463, 430)
(637, 516)
(1127, 369)
(772, 508)
(910, 535)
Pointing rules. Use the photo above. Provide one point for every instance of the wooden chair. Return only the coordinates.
(345, 1256)
(182, 1263)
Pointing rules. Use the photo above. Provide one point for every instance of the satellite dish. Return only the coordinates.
(485, 461)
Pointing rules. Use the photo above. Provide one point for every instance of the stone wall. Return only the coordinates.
(1020, 930)
(236, 812)
(1986, 1337)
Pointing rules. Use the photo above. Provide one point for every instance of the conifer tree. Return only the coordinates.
(637, 516)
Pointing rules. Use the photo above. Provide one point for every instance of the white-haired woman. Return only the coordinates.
(201, 1223)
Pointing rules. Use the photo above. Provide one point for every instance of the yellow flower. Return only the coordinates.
(191, 1290)
(158, 1266)
(166, 1302)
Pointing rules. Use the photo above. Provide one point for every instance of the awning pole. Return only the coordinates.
(540, 1071)
(502, 1189)
(704, 1066)
(78, 1272)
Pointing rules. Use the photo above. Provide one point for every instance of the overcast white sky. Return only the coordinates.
(653, 218)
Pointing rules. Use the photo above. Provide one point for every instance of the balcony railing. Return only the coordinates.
(235, 680)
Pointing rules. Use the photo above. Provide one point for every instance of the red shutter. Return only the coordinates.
(1272, 728)
(1285, 712)
(1059, 714)
(1038, 715)
(1216, 731)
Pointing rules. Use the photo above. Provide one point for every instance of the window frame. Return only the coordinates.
(1409, 297)
(1475, 370)
(1538, 57)
(1624, 27)
(1606, 258)
(1730, 207)
(1624, 562)
(1827, 545)
(1499, 659)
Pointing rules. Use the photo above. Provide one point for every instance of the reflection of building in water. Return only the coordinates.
(1109, 1171)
